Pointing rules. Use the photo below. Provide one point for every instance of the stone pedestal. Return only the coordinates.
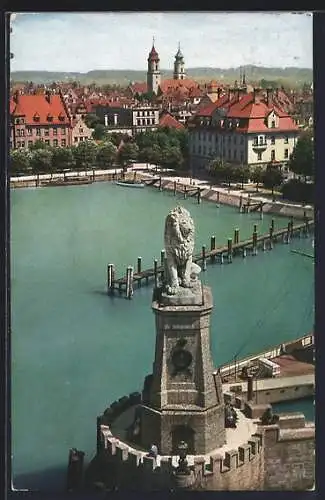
(183, 401)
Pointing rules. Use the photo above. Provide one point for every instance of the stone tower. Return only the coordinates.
(153, 73)
(179, 65)
(182, 400)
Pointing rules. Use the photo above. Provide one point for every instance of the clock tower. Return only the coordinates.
(182, 399)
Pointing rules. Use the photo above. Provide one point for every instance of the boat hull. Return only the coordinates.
(130, 184)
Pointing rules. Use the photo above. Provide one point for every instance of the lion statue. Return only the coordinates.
(179, 246)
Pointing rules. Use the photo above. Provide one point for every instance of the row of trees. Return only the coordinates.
(270, 177)
(166, 148)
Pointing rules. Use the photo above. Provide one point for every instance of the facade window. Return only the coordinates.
(235, 139)
(241, 139)
(62, 131)
(47, 142)
(18, 144)
(286, 140)
(38, 131)
(273, 124)
(46, 132)
(229, 154)
(55, 142)
(75, 139)
(81, 139)
(255, 141)
(18, 132)
(81, 131)
(204, 150)
(63, 142)
(55, 131)
(200, 149)
(286, 153)
(11, 144)
(242, 157)
(235, 154)
(22, 144)
(30, 143)
(29, 131)
(22, 132)
(272, 139)
(272, 154)
(259, 155)
(261, 140)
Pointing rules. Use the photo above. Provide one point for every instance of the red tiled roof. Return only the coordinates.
(29, 105)
(167, 120)
(171, 84)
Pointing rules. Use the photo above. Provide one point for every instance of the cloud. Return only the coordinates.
(86, 41)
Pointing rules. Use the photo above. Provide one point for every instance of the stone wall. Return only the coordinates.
(289, 454)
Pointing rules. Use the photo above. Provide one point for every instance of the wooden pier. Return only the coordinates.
(234, 247)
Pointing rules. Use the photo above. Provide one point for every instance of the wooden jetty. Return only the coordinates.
(234, 247)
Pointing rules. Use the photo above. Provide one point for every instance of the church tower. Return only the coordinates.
(179, 65)
(153, 73)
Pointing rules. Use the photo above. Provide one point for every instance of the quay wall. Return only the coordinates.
(280, 209)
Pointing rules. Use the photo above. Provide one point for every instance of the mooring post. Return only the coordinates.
(229, 250)
(129, 282)
(288, 233)
(244, 252)
(250, 392)
(175, 188)
(306, 224)
(240, 203)
(272, 224)
(271, 236)
(199, 195)
(264, 245)
(155, 271)
(218, 196)
(139, 266)
(236, 236)
(255, 240)
(160, 186)
(204, 260)
(110, 278)
(221, 258)
(291, 226)
(261, 211)
(213, 247)
(162, 257)
(185, 192)
(248, 202)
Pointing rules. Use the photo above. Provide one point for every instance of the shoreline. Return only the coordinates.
(209, 192)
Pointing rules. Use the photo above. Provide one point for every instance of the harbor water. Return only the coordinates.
(74, 349)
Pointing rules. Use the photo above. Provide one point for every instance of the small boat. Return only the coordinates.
(130, 183)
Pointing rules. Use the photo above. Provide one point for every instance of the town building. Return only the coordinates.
(128, 121)
(242, 127)
(79, 131)
(42, 117)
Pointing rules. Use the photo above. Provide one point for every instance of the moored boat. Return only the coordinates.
(130, 183)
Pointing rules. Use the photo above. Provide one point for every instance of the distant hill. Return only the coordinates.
(291, 76)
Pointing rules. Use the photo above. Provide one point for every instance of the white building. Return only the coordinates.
(242, 128)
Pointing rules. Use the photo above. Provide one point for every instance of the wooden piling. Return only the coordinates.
(255, 241)
(204, 260)
(291, 226)
(236, 236)
(229, 250)
(261, 211)
(288, 233)
(271, 236)
(110, 278)
(244, 252)
(221, 258)
(212, 247)
(139, 265)
(199, 195)
(185, 192)
(155, 271)
(255, 228)
(264, 245)
(160, 185)
(129, 282)
(240, 203)
(272, 224)
(218, 196)
(175, 188)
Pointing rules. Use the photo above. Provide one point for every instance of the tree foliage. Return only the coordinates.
(41, 161)
(85, 155)
(19, 162)
(106, 155)
(99, 132)
(129, 151)
(91, 120)
(62, 159)
(257, 176)
(302, 158)
(272, 177)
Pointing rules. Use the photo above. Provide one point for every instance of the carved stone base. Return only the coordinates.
(184, 296)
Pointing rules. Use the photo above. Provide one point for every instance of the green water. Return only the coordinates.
(74, 349)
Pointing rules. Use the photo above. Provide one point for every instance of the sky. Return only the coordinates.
(81, 42)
